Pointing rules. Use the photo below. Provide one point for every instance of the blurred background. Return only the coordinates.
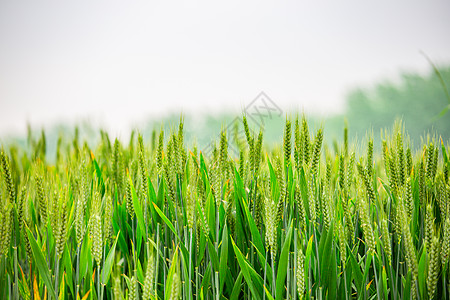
(138, 64)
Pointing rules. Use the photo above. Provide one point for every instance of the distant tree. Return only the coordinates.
(418, 101)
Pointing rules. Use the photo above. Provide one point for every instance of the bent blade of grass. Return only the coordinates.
(106, 271)
(172, 228)
(41, 263)
(223, 258)
(251, 277)
(283, 264)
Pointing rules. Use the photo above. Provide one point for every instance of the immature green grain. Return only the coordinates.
(42, 200)
(117, 288)
(176, 164)
(342, 243)
(282, 187)
(7, 176)
(430, 161)
(441, 198)
(409, 202)
(116, 162)
(410, 251)
(421, 181)
(23, 203)
(300, 206)
(61, 234)
(129, 197)
(433, 267)
(316, 152)
(446, 170)
(131, 143)
(231, 221)
(175, 292)
(300, 274)
(241, 165)
(287, 143)
(247, 132)
(328, 174)
(401, 160)
(271, 226)
(349, 178)
(183, 154)
(6, 226)
(367, 182)
(223, 152)
(298, 158)
(305, 141)
(429, 225)
(409, 162)
(143, 172)
(132, 289)
(97, 238)
(347, 216)
(159, 153)
(203, 221)
(54, 211)
(341, 174)
(393, 174)
(366, 224)
(149, 277)
(258, 151)
(445, 251)
(370, 158)
(435, 162)
(386, 237)
(27, 245)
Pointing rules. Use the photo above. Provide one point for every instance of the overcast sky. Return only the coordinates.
(122, 61)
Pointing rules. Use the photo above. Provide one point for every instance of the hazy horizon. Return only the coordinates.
(118, 63)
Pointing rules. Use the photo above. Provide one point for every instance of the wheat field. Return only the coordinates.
(152, 219)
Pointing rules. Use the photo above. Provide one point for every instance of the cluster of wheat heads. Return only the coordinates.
(290, 221)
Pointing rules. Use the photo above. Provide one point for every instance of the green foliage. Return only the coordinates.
(137, 221)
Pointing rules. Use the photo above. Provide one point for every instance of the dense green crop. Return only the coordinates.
(156, 221)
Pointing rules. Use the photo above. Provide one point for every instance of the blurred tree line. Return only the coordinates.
(417, 100)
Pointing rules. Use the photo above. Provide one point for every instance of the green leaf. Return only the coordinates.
(422, 272)
(41, 263)
(172, 271)
(283, 264)
(223, 258)
(367, 267)
(237, 287)
(308, 258)
(250, 275)
(384, 282)
(170, 225)
(106, 271)
(67, 263)
(85, 256)
(137, 206)
(357, 273)
(213, 255)
(407, 286)
(273, 182)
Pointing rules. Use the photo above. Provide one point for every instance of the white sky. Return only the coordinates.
(122, 61)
